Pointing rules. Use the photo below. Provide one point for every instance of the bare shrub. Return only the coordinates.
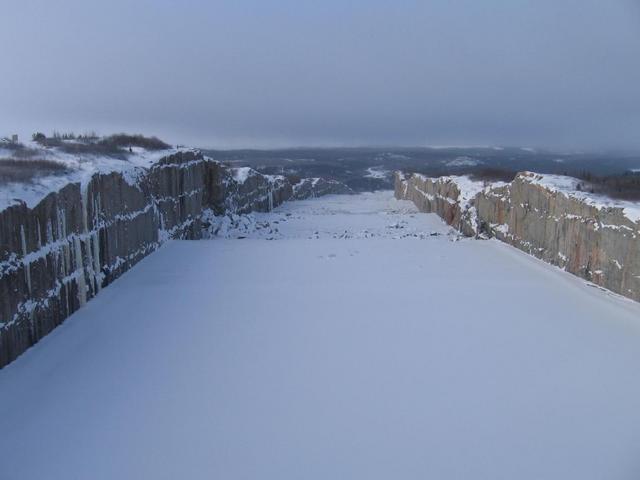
(25, 171)
(123, 140)
(43, 140)
(25, 153)
(294, 179)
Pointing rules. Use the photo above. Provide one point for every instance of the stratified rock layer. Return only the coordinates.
(599, 244)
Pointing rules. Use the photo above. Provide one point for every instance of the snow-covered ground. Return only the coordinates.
(334, 354)
(370, 215)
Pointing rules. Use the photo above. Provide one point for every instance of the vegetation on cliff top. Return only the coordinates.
(112, 145)
(25, 171)
(20, 163)
(623, 187)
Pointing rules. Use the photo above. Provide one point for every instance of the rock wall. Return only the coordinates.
(442, 196)
(56, 256)
(601, 245)
(316, 187)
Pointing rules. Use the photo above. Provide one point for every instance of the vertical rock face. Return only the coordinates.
(40, 266)
(448, 197)
(58, 255)
(599, 243)
(247, 191)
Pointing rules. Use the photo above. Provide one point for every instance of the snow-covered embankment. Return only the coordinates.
(58, 253)
(590, 236)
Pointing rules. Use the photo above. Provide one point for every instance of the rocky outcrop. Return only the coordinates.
(246, 190)
(56, 256)
(451, 198)
(597, 241)
(316, 187)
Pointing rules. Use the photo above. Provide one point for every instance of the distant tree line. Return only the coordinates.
(625, 186)
(493, 174)
(91, 143)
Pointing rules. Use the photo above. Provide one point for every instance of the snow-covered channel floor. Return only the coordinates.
(390, 354)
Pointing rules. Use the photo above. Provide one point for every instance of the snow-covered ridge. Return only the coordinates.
(569, 186)
(80, 167)
(469, 188)
(589, 235)
(133, 163)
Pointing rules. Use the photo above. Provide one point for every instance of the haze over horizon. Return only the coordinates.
(550, 73)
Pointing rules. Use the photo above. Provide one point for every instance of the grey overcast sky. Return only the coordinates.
(557, 73)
